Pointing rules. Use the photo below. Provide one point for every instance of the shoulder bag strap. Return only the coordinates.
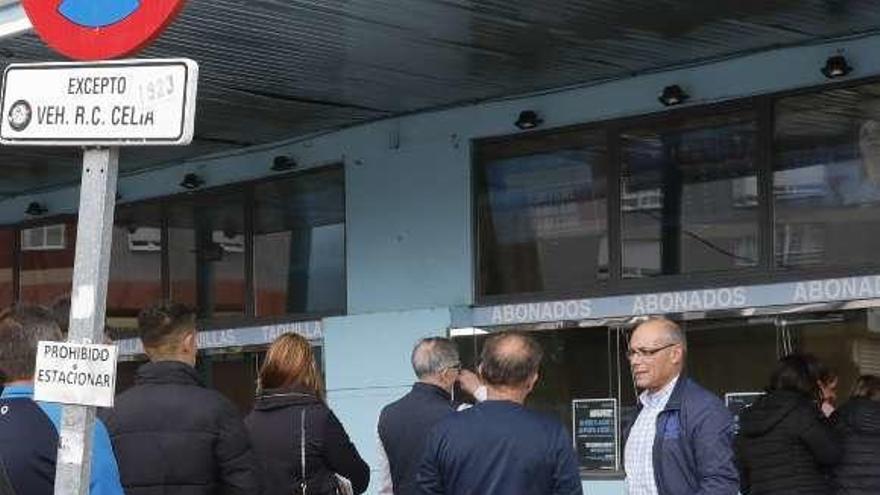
(302, 448)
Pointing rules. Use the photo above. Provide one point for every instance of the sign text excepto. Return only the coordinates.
(130, 102)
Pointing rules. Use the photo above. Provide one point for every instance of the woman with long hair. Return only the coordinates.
(299, 442)
(786, 445)
(858, 422)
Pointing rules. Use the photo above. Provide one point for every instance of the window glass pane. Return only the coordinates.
(826, 181)
(182, 256)
(206, 253)
(541, 206)
(689, 197)
(7, 258)
(739, 355)
(135, 266)
(47, 262)
(299, 244)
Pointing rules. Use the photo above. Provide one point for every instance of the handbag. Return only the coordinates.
(340, 485)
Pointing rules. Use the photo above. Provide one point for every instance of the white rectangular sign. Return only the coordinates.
(75, 374)
(114, 103)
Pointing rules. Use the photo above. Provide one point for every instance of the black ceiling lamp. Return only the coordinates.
(673, 95)
(282, 163)
(528, 119)
(836, 66)
(192, 181)
(35, 209)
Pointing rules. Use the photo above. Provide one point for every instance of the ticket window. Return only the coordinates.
(579, 364)
(233, 374)
(236, 374)
(727, 356)
(739, 355)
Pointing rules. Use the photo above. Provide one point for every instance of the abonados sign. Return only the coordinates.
(676, 302)
(100, 29)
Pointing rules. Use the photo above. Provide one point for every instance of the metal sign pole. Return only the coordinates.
(88, 304)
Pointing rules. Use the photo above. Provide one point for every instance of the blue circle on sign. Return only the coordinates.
(97, 13)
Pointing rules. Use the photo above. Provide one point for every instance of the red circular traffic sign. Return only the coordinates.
(100, 29)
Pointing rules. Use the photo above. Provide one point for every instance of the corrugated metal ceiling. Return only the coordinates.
(273, 69)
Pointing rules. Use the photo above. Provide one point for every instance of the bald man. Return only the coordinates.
(682, 440)
(499, 447)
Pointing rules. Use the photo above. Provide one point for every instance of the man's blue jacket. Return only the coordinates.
(499, 448)
(693, 446)
(29, 442)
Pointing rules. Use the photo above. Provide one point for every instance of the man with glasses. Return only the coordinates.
(404, 424)
(682, 440)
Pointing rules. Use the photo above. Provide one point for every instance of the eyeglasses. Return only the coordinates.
(647, 353)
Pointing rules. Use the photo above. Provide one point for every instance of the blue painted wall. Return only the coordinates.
(409, 247)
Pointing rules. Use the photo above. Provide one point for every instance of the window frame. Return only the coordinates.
(763, 106)
(246, 188)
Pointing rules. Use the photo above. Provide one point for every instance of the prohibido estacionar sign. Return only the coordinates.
(81, 374)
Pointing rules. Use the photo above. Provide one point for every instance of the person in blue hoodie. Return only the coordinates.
(29, 429)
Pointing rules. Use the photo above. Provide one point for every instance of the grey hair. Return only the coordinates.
(675, 334)
(432, 355)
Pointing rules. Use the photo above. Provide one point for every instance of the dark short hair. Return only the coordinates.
(21, 329)
(165, 323)
(797, 373)
(510, 359)
(821, 371)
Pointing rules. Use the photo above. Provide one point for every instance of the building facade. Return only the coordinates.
(750, 213)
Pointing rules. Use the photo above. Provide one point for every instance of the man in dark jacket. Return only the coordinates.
(682, 440)
(170, 433)
(404, 424)
(499, 447)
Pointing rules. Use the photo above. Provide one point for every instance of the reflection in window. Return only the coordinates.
(206, 254)
(43, 238)
(826, 181)
(135, 266)
(689, 197)
(47, 263)
(7, 259)
(299, 244)
(542, 214)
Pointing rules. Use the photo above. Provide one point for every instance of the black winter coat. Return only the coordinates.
(858, 473)
(173, 436)
(274, 427)
(785, 447)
